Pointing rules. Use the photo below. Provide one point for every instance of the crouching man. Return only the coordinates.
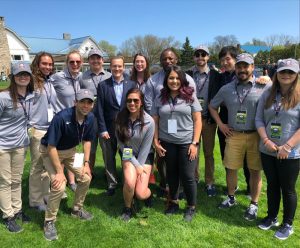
(67, 130)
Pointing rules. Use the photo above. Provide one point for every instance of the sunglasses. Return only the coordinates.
(72, 62)
(202, 54)
(286, 71)
(130, 100)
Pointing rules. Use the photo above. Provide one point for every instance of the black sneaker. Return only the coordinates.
(211, 190)
(82, 214)
(267, 222)
(23, 217)
(227, 203)
(189, 214)
(284, 231)
(126, 214)
(161, 192)
(12, 226)
(110, 191)
(251, 212)
(172, 208)
(149, 202)
(50, 232)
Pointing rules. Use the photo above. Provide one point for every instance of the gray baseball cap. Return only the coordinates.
(201, 47)
(245, 57)
(84, 94)
(95, 51)
(288, 64)
(20, 67)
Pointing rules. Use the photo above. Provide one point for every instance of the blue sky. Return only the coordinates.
(118, 20)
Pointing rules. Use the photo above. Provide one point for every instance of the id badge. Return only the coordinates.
(172, 126)
(30, 132)
(50, 114)
(241, 117)
(78, 160)
(201, 101)
(127, 153)
(276, 130)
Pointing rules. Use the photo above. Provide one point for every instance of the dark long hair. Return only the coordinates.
(292, 97)
(146, 72)
(38, 76)
(185, 91)
(123, 118)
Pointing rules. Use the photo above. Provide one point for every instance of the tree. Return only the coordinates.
(149, 45)
(186, 54)
(221, 41)
(108, 48)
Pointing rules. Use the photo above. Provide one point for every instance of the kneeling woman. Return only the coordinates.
(134, 131)
(177, 131)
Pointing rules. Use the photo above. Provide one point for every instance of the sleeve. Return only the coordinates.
(259, 117)
(149, 95)
(145, 146)
(100, 113)
(195, 106)
(55, 131)
(218, 99)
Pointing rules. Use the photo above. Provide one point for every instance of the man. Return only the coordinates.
(111, 99)
(206, 81)
(240, 97)
(67, 130)
(90, 79)
(152, 90)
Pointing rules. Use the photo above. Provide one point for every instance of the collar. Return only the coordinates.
(68, 75)
(251, 81)
(196, 70)
(94, 74)
(115, 82)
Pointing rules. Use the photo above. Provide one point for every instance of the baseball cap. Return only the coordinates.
(84, 94)
(201, 47)
(288, 64)
(20, 67)
(95, 51)
(245, 57)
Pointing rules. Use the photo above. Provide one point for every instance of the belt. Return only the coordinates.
(246, 131)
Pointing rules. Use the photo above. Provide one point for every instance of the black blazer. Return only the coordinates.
(107, 104)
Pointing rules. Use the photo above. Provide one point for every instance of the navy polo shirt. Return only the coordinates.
(65, 132)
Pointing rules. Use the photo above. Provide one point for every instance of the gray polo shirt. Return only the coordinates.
(66, 88)
(13, 127)
(249, 93)
(202, 82)
(289, 121)
(182, 113)
(141, 141)
(89, 80)
(155, 84)
(46, 100)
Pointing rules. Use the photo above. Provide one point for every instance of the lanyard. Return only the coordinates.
(131, 127)
(23, 104)
(277, 104)
(73, 82)
(172, 104)
(94, 75)
(202, 86)
(48, 94)
(78, 131)
(242, 98)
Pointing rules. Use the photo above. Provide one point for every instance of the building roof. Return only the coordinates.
(255, 49)
(18, 37)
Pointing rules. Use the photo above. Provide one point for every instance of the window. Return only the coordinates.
(17, 57)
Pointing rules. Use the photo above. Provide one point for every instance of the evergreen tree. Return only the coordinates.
(186, 54)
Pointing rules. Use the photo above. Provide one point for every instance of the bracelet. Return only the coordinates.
(288, 145)
(284, 148)
(266, 141)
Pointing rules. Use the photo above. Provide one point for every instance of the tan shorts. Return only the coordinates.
(240, 145)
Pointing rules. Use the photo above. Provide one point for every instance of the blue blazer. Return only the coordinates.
(107, 104)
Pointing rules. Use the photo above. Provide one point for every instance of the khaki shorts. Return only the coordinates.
(239, 145)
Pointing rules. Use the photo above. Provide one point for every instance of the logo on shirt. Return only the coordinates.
(67, 122)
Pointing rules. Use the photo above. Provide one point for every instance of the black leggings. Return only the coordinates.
(180, 168)
(281, 177)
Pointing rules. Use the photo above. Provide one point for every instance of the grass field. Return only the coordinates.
(151, 228)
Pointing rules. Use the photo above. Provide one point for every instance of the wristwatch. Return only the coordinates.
(195, 143)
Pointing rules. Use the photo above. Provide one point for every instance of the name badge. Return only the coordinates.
(172, 126)
(78, 160)
(276, 130)
(127, 153)
(241, 117)
(30, 132)
(201, 101)
(50, 114)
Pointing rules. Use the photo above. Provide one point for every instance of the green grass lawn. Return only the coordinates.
(3, 84)
(151, 228)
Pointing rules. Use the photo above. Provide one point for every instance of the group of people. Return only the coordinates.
(159, 119)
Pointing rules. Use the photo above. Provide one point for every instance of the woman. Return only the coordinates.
(66, 85)
(134, 132)
(42, 113)
(177, 131)
(140, 71)
(278, 124)
(15, 110)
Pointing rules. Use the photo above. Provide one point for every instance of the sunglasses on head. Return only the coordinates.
(135, 100)
(286, 71)
(72, 62)
(200, 53)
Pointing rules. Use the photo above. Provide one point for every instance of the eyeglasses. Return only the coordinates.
(286, 71)
(130, 100)
(72, 62)
(202, 54)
